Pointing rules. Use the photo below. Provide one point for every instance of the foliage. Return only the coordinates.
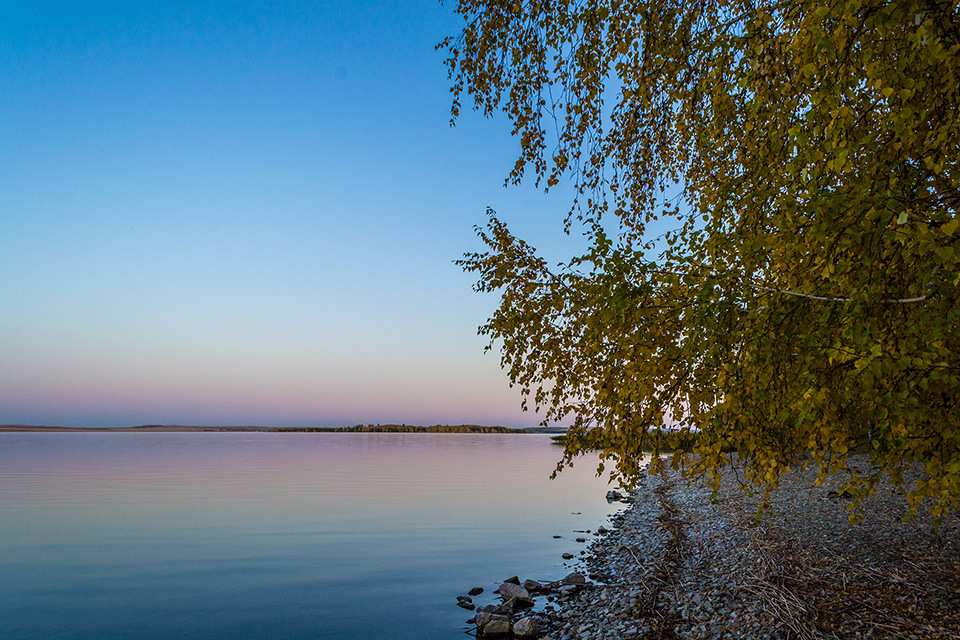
(805, 301)
(403, 428)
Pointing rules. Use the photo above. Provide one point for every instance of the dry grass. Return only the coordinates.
(818, 576)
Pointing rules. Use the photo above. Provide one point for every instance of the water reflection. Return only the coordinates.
(257, 535)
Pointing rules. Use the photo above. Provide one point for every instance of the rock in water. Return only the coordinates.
(475, 591)
(489, 624)
(509, 590)
(519, 603)
(567, 556)
(531, 585)
(498, 627)
(614, 495)
(496, 609)
(574, 578)
(526, 628)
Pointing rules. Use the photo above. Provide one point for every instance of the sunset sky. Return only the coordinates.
(246, 213)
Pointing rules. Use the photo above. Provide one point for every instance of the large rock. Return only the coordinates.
(526, 628)
(497, 609)
(531, 585)
(574, 578)
(509, 590)
(491, 624)
(519, 603)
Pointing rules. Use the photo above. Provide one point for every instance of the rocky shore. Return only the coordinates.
(678, 565)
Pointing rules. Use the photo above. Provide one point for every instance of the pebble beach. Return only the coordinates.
(678, 564)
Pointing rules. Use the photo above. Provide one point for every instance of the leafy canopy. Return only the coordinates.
(805, 303)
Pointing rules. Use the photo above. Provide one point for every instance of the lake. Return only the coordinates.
(277, 535)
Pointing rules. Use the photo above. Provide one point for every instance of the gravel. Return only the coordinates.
(678, 564)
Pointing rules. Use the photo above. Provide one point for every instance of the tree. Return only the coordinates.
(805, 304)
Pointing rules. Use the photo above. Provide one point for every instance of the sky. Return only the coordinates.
(240, 213)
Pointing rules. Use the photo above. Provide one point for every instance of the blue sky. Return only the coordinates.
(246, 213)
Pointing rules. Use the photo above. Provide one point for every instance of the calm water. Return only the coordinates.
(250, 535)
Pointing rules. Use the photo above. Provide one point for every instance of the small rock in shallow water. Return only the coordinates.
(510, 591)
(531, 585)
(574, 578)
(567, 556)
(484, 618)
(475, 591)
(519, 603)
(496, 627)
(526, 628)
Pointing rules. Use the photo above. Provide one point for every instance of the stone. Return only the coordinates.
(581, 539)
(614, 495)
(513, 580)
(567, 556)
(511, 590)
(519, 603)
(496, 627)
(526, 628)
(475, 591)
(574, 578)
(485, 619)
(531, 585)
(495, 609)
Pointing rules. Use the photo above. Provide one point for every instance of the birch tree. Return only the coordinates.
(804, 304)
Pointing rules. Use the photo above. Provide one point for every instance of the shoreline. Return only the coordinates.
(388, 428)
(158, 428)
(675, 564)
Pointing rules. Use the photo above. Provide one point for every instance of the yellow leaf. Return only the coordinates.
(951, 227)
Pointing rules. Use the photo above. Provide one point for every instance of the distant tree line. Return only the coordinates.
(402, 428)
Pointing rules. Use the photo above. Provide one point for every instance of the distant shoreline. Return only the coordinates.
(177, 428)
